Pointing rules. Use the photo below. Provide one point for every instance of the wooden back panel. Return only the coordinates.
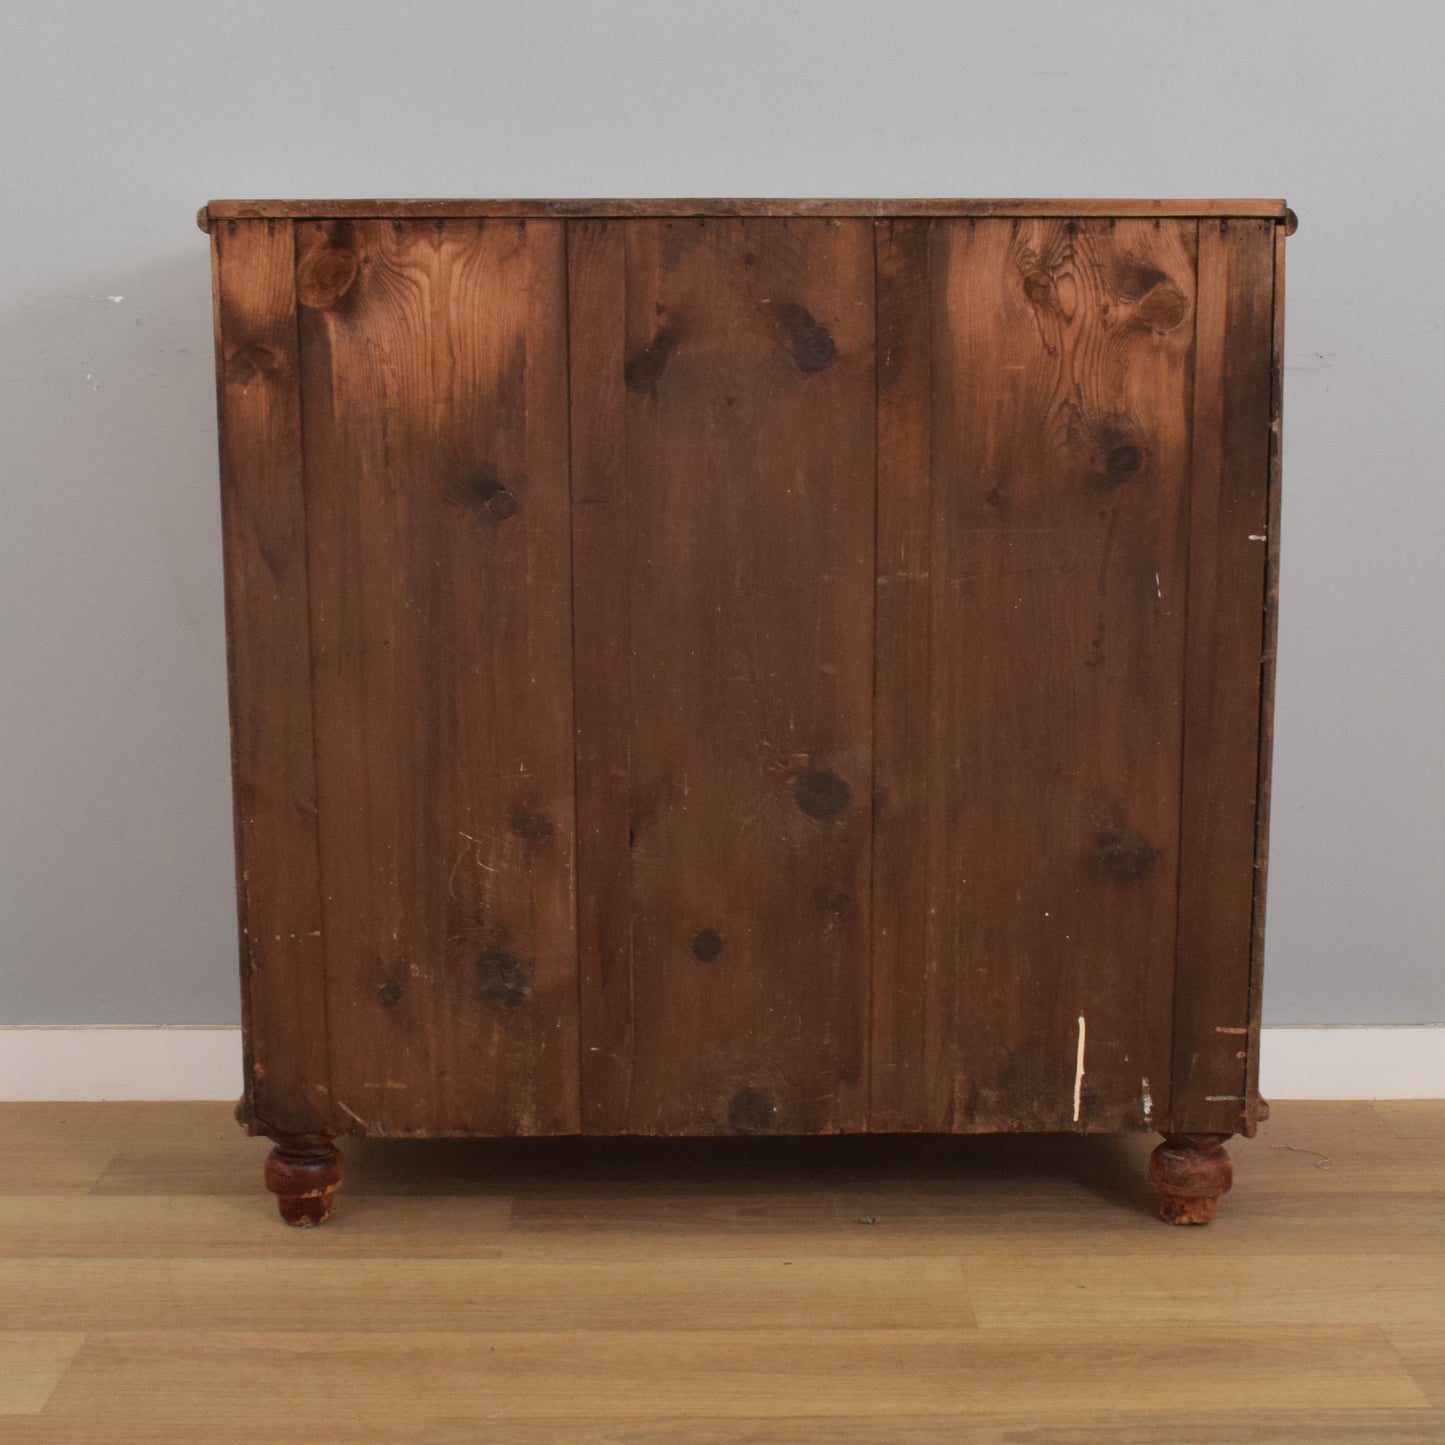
(1033, 496)
(723, 496)
(918, 575)
(433, 367)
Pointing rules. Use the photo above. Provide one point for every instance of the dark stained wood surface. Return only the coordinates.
(692, 206)
(1256, 1108)
(433, 359)
(723, 500)
(602, 667)
(268, 639)
(1042, 805)
(906, 852)
(915, 569)
(1228, 531)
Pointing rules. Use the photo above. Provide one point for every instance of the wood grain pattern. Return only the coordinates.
(1421, 1347)
(31, 1364)
(1238, 1423)
(619, 1374)
(726, 532)
(621, 207)
(1042, 808)
(434, 391)
(1083, 1292)
(602, 667)
(283, 985)
(914, 567)
(514, 1295)
(906, 855)
(1267, 683)
(722, 1283)
(1214, 1020)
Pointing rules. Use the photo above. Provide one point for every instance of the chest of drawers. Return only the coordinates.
(715, 667)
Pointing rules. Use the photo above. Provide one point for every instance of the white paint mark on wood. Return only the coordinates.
(1079, 1072)
(477, 858)
(1148, 1101)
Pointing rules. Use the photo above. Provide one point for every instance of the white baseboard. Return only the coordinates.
(1400, 1061)
(1404, 1062)
(120, 1063)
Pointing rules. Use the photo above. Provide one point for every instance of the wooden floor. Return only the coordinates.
(889, 1290)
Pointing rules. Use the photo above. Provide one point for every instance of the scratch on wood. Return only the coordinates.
(1079, 1073)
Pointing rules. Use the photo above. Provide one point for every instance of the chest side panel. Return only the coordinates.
(268, 643)
(433, 362)
(1034, 460)
(723, 457)
(1216, 1019)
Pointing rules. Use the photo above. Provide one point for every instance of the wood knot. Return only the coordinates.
(1121, 463)
(324, 275)
(500, 502)
(1132, 277)
(751, 1111)
(531, 825)
(1039, 288)
(389, 994)
(249, 364)
(707, 945)
(809, 342)
(813, 347)
(822, 794)
(644, 367)
(1120, 849)
(1109, 451)
(487, 490)
(1162, 308)
(505, 979)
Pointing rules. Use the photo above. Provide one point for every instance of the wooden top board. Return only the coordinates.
(235, 210)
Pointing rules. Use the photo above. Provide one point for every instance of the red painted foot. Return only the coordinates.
(1189, 1172)
(303, 1172)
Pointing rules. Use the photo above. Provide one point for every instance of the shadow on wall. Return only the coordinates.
(115, 859)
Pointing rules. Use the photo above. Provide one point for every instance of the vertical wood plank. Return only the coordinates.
(905, 855)
(434, 389)
(597, 331)
(268, 644)
(1229, 525)
(1059, 458)
(744, 734)
(1253, 1110)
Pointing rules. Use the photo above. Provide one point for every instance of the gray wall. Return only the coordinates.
(116, 900)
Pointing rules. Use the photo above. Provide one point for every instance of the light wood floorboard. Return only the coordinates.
(841, 1290)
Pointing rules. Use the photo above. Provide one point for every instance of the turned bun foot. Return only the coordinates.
(303, 1172)
(1189, 1172)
